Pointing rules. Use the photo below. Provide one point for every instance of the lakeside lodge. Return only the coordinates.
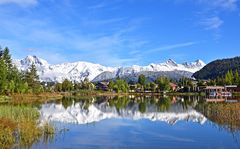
(222, 91)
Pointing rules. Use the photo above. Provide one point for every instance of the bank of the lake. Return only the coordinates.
(108, 93)
(20, 127)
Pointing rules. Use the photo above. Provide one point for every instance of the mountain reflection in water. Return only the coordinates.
(144, 122)
(94, 110)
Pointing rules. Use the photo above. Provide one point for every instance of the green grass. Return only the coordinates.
(19, 126)
(186, 94)
(236, 94)
(4, 99)
(19, 112)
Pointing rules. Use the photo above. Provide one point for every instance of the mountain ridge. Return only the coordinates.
(78, 71)
(218, 68)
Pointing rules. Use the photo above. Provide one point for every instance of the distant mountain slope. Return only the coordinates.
(218, 68)
(78, 71)
(150, 75)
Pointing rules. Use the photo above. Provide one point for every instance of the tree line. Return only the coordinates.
(230, 78)
(118, 85)
(14, 81)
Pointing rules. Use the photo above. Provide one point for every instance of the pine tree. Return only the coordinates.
(229, 78)
(7, 58)
(58, 87)
(111, 85)
(11, 80)
(236, 78)
(32, 79)
(153, 86)
(121, 86)
(142, 79)
(163, 83)
(1, 52)
(67, 85)
(3, 76)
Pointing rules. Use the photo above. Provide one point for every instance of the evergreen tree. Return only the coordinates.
(211, 83)
(3, 76)
(1, 51)
(111, 85)
(229, 78)
(32, 79)
(58, 87)
(7, 58)
(142, 79)
(163, 83)
(236, 78)
(67, 85)
(121, 86)
(11, 80)
(220, 81)
(153, 86)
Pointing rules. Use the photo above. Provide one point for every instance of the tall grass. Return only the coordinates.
(19, 126)
(19, 112)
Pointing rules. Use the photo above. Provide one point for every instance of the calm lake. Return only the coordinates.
(143, 122)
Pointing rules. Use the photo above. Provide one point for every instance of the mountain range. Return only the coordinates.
(78, 71)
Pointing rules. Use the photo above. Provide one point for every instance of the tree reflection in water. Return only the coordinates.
(225, 116)
(222, 115)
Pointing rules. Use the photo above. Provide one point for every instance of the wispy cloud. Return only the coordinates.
(109, 48)
(211, 23)
(23, 3)
(172, 46)
(97, 6)
(221, 4)
(228, 5)
(210, 15)
(97, 22)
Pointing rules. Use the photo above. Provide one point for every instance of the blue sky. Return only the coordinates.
(121, 32)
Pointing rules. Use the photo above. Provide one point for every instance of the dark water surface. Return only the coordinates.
(143, 122)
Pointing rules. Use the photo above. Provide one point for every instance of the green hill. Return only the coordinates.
(218, 68)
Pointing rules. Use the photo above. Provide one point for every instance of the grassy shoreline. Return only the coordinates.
(44, 97)
(107, 93)
(50, 96)
(30, 98)
(19, 126)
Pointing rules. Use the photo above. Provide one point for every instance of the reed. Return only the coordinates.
(19, 127)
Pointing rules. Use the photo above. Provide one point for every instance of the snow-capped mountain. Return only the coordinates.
(97, 112)
(57, 73)
(78, 71)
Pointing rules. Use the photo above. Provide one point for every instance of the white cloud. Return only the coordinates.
(223, 4)
(23, 3)
(104, 48)
(97, 6)
(172, 46)
(214, 4)
(212, 23)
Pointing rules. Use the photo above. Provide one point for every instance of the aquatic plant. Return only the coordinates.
(19, 126)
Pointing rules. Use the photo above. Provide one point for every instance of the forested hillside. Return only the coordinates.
(218, 68)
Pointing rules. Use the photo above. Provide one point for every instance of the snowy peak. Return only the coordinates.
(199, 63)
(78, 71)
(195, 64)
(171, 62)
(29, 60)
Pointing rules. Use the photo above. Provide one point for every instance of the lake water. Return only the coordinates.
(143, 122)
